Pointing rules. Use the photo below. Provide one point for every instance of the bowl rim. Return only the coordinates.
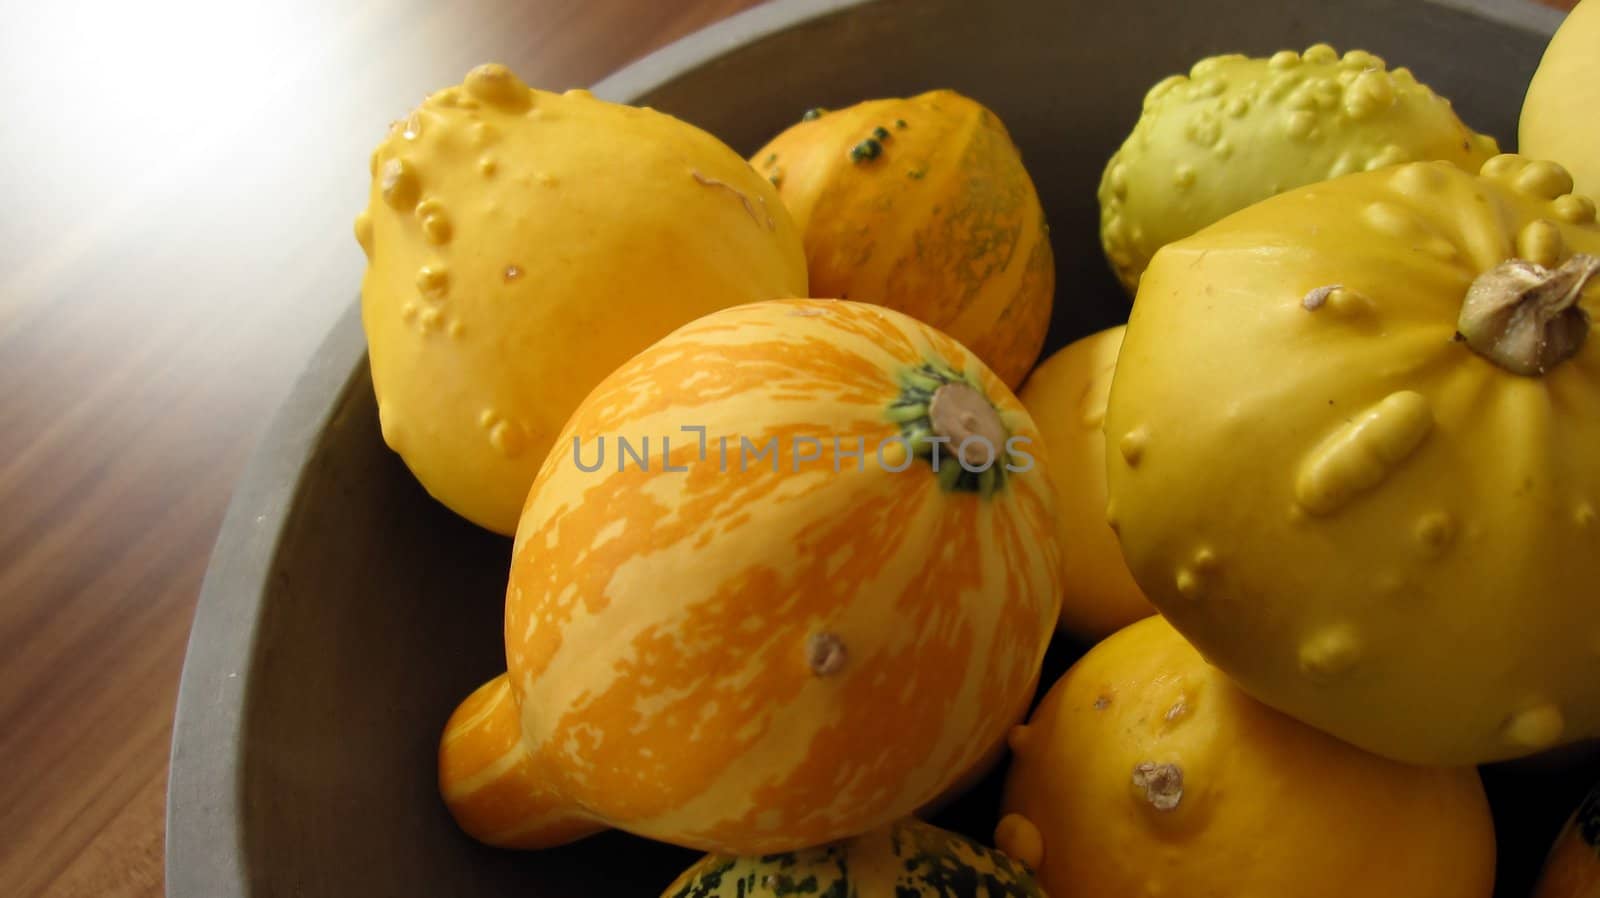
(205, 851)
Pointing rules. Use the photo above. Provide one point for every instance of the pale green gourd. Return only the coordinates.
(1236, 130)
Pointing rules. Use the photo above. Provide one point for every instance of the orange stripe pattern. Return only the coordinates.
(662, 616)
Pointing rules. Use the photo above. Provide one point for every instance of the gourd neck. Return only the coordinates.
(1525, 317)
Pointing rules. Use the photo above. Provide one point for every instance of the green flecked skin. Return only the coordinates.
(911, 411)
(1238, 130)
(1585, 823)
(908, 859)
(1572, 869)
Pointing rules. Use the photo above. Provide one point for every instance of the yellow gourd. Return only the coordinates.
(1237, 130)
(520, 245)
(1558, 114)
(1352, 445)
(1146, 773)
(1066, 395)
(771, 623)
(923, 205)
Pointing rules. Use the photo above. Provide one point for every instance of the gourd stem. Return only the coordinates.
(1525, 317)
(961, 413)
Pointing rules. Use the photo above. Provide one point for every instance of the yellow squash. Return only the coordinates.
(1352, 447)
(923, 205)
(522, 244)
(1558, 114)
(1573, 868)
(907, 859)
(745, 614)
(1066, 395)
(1237, 130)
(1146, 773)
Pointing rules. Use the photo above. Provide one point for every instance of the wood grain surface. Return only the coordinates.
(178, 183)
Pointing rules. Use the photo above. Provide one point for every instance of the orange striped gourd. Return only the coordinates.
(923, 205)
(745, 639)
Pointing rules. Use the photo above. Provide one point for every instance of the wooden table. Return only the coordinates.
(179, 182)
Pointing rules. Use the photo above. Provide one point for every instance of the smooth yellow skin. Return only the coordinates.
(1268, 806)
(1238, 130)
(1365, 523)
(520, 246)
(943, 224)
(1558, 114)
(1066, 395)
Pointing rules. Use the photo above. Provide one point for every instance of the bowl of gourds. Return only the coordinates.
(937, 449)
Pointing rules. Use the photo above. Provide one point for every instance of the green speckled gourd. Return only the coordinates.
(1238, 130)
(908, 859)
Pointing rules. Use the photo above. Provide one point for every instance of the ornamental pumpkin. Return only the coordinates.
(1352, 456)
(1066, 395)
(1573, 868)
(1145, 772)
(745, 612)
(1558, 114)
(1238, 130)
(906, 859)
(522, 244)
(923, 205)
